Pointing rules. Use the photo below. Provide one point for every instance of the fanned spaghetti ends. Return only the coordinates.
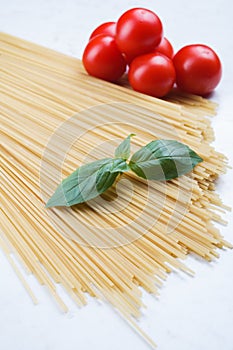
(53, 119)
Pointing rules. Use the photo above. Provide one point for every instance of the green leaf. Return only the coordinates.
(123, 150)
(163, 160)
(87, 182)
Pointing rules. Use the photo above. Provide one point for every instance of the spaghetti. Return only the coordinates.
(53, 117)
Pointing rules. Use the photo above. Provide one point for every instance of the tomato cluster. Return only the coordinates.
(136, 40)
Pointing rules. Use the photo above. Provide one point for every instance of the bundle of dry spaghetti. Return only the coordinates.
(53, 119)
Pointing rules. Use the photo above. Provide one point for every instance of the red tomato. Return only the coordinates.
(138, 31)
(108, 28)
(102, 58)
(198, 69)
(165, 47)
(152, 74)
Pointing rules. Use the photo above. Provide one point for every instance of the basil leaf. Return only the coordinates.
(123, 150)
(163, 160)
(87, 182)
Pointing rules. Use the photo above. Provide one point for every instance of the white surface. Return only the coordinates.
(191, 313)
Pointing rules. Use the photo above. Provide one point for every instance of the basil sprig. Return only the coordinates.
(158, 160)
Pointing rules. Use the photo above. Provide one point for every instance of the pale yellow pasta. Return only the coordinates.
(54, 117)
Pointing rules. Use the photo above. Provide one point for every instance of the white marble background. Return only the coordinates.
(191, 313)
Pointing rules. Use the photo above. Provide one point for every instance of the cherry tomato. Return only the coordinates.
(152, 74)
(138, 31)
(165, 47)
(102, 58)
(108, 28)
(198, 69)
